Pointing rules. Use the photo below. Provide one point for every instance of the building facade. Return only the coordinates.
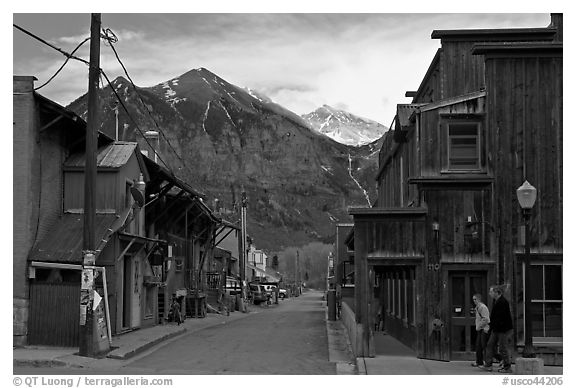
(486, 117)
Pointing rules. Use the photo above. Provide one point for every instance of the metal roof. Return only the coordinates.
(63, 244)
(403, 113)
(114, 155)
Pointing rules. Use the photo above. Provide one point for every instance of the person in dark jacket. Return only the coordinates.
(501, 334)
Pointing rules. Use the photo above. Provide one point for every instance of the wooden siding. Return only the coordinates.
(396, 238)
(525, 136)
(110, 186)
(54, 314)
(461, 241)
(106, 189)
(431, 87)
(462, 72)
(431, 145)
(393, 187)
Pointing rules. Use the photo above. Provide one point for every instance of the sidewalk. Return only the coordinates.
(394, 358)
(124, 346)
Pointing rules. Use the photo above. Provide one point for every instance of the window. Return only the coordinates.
(546, 301)
(463, 146)
(388, 294)
(399, 296)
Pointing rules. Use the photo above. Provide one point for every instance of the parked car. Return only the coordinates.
(270, 289)
(232, 286)
(258, 293)
(282, 293)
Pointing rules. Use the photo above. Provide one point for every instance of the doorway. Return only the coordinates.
(463, 285)
(126, 292)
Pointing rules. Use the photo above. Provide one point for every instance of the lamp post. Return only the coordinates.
(527, 197)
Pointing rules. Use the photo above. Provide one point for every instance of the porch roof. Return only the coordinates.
(64, 242)
(387, 211)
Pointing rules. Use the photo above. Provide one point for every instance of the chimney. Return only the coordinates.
(556, 22)
(153, 143)
(23, 84)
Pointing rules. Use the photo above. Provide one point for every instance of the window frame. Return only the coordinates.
(544, 339)
(452, 122)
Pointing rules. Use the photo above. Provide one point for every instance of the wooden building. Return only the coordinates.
(486, 117)
(154, 234)
(44, 135)
(188, 229)
(120, 251)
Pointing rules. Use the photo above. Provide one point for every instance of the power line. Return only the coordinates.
(68, 55)
(131, 118)
(51, 45)
(64, 64)
(111, 38)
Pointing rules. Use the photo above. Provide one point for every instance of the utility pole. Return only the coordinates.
(297, 275)
(88, 343)
(243, 242)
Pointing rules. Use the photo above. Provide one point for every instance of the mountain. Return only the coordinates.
(344, 127)
(222, 139)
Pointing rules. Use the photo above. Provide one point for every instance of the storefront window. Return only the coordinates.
(546, 301)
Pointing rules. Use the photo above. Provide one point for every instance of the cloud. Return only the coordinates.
(365, 62)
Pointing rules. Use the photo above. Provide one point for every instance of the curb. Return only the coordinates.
(43, 364)
(361, 366)
(145, 346)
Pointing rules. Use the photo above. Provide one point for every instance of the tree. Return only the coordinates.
(275, 262)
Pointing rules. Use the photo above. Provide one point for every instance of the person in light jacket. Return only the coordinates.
(482, 329)
(501, 324)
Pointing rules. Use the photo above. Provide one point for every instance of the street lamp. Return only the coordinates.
(526, 197)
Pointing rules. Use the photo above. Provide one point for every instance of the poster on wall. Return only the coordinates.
(83, 315)
(87, 279)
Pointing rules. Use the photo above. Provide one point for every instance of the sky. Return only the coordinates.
(359, 62)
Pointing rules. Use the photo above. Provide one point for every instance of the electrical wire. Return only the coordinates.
(64, 64)
(111, 38)
(131, 118)
(51, 45)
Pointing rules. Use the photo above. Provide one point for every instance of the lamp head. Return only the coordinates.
(526, 195)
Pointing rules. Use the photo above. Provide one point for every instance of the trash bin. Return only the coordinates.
(331, 305)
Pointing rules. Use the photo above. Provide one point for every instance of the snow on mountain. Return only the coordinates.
(344, 127)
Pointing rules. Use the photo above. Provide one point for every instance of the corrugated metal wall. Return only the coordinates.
(54, 314)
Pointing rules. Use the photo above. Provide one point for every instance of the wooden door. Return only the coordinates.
(54, 318)
(463, 285)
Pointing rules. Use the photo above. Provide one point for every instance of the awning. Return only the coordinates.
(63, 244)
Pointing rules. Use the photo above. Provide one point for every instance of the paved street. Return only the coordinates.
(288, 338)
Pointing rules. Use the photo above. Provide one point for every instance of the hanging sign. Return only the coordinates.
(97, 300)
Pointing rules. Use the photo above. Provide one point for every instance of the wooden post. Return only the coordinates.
(88, 346)
(243, 243)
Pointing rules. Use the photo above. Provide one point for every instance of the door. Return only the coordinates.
(463, 285)
(126, 292)
(54, 318)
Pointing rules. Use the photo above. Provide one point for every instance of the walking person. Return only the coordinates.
(501, 335)
(482, 329)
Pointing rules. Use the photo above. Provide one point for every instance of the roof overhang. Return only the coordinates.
(453, 181)
(368, 213)
(496, 34)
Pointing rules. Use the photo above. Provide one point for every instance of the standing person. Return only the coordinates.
(482, 329)
(501, 323)
(175, 314)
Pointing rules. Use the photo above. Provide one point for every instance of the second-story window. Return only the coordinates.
(463, 146)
